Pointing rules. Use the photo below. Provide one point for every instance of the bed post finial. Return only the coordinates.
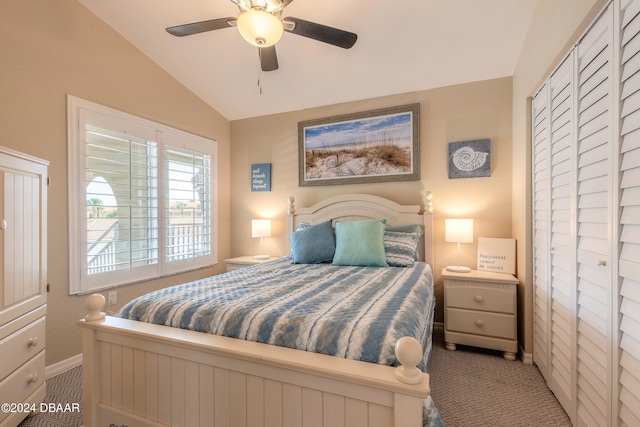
(409, 354)
(291, 209)
(93, 304)
(428, 204)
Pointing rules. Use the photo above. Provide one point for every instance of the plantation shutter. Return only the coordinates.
(594, 227)
(562, 250)
(121, 233)
(540, 155)
(187, 219)
(629, 260)
(142, 199)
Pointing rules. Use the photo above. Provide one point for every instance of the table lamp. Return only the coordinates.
(458, 230)
(260, 228)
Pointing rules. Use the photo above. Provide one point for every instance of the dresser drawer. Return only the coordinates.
(21, 346)
(18, 386)
(495, 298)
(481, 323)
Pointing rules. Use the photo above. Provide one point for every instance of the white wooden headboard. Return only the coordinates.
(351, 207)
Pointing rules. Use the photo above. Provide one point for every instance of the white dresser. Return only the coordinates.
(23, 284)
(481, 310)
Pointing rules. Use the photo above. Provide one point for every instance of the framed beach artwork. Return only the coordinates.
(372, 146)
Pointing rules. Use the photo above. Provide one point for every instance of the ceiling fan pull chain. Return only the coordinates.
(260, 70)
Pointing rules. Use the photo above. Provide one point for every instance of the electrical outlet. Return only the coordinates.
(113, 298)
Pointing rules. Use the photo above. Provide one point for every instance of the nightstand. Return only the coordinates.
(480, 310)
(243, 261)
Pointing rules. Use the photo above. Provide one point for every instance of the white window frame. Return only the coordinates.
(80, 112)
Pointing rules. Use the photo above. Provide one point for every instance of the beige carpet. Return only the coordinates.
(475, 387)
(470, 387)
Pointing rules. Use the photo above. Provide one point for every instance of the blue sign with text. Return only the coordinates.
(261, 177)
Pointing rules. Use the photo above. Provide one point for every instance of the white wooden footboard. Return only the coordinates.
(139, 374)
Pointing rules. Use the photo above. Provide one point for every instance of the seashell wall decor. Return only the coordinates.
(470, 159)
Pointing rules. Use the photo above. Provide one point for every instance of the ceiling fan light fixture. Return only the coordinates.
(270, 6)
(260, 28)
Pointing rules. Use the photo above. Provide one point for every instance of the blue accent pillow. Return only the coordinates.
(360, 243)
(300, 226)
(313, 245)
(411, 228)
(401, 248)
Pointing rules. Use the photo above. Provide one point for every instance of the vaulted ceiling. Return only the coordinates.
(403, 46)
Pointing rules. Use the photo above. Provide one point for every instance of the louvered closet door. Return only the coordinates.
(542, 294)
(563, 258)
(594, 228)
(629, 262)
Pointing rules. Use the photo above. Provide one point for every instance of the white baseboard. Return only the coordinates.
(62, 366)
(526, 357)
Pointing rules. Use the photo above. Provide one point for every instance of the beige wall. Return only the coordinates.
(49, 49)
(457, 113)
(556, 27)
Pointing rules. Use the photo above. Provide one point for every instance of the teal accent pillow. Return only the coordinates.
(360, 243)
(313, 245)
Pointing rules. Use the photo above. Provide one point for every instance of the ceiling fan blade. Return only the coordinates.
(268, 58)
(323, 33)
(201, 27)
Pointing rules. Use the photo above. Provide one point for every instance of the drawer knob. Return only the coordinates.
(479, 298)
(602, 263)
(33, 378)
(33, 342)
(479, 323)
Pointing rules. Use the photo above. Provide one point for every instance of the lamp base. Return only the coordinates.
(261, 257)
(458, 269)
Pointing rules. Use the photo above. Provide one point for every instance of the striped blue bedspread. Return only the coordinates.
(351, 312)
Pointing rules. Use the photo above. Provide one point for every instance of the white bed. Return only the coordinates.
(141, 374)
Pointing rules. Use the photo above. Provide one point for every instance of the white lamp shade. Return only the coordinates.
(260, 228)
(458, 230)
(260, 28)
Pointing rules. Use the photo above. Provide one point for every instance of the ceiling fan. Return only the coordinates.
(260, 25)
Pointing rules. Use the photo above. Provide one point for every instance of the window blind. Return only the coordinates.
(141, 199)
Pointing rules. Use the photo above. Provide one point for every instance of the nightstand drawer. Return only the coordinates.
(499, 299)
(481, 323)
